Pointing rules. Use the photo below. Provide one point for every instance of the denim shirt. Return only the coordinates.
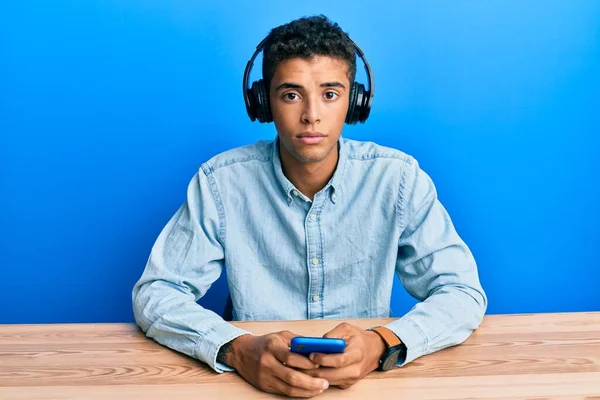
(290, 258)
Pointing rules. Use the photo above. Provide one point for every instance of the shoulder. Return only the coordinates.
(260, 151)
(370, 151)
(389, 165)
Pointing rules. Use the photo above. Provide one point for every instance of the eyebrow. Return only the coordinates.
(289, 85)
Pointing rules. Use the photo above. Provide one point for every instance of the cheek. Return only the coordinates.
(343, 109)
(278, 115)
(282, 122)
(282, 112)
(341, 114)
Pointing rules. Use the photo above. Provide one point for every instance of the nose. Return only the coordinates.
(311, 113)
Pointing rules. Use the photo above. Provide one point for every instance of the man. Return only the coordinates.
(309, 226)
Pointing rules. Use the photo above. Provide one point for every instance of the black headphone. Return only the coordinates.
(257, 98)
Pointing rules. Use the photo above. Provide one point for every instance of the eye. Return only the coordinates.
(330, 95)
(291, 96)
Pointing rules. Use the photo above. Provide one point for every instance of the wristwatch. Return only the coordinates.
(395, 352)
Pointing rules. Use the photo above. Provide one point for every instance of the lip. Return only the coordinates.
(311, 137)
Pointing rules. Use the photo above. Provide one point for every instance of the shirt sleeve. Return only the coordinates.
(186, 259)
(437, 268)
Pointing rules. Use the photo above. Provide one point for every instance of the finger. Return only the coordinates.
(342, 331)
(280, 347)
(287, 337)
(336, 376)
(283, 387)
(352, 355)
(294, 360)
(299, 379)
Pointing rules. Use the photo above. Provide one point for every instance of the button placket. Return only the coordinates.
(314, 258)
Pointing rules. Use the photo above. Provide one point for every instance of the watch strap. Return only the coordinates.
(387, 335)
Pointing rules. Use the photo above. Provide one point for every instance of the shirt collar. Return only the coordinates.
(286, 185)
(336, 180)
(333, 186)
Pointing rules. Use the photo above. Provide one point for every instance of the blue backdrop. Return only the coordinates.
(107, 109)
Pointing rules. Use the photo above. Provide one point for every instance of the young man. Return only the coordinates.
(309, 226)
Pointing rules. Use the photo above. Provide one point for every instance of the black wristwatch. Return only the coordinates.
(395, 352)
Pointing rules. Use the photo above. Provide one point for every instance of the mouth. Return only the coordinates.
(311, 137)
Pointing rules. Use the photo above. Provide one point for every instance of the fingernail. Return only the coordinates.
(312, 357)
(325, 385)
(317, 365)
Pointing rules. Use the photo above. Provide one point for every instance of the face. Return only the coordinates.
(309, 103)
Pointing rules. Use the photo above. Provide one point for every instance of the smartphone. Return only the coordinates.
(306, 345)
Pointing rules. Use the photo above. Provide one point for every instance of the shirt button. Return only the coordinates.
(313, 217)
(295, 192)
(316, 298)
(333, 197)
(315, 261)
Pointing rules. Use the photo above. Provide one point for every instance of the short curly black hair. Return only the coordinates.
(305, 38)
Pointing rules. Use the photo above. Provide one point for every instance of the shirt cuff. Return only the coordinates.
(210, 343)
(412, 336)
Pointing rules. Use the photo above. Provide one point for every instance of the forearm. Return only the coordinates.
(224, 356)
(229, 353)
(186, 259)
(446, 318)
(435, 266)
(173, 318)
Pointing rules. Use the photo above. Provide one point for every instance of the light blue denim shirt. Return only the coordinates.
(290, 258)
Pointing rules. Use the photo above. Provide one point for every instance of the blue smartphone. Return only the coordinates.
(306, 345)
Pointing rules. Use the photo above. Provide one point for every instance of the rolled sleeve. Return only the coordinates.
(186, 259)
(210, 343)
(436, 267)
(412, 336)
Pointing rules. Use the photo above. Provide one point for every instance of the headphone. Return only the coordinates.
(257, 99)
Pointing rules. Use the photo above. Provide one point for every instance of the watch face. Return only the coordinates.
(391, 361)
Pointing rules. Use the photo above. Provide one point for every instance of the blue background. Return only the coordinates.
(107, 109)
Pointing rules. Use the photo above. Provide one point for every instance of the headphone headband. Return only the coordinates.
(371, 90)
(247, 71)
(364, 107)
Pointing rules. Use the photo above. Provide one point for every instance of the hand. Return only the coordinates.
(362, 354)
(267, 363)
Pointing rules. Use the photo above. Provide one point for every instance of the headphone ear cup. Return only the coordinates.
(361, 104)
(350, 119)
(365, 108)
(256, 100)
(266, 104)
(261, 105)
(253, 101)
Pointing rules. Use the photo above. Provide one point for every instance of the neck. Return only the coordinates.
(308, 177)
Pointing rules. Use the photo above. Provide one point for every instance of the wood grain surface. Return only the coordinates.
(533, 356)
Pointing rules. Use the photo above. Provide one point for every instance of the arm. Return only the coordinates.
(185, 261)
(437, 268)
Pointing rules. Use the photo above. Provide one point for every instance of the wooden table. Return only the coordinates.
(509, 356)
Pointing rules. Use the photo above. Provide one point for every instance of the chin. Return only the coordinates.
(315, 155)
(310, 159)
